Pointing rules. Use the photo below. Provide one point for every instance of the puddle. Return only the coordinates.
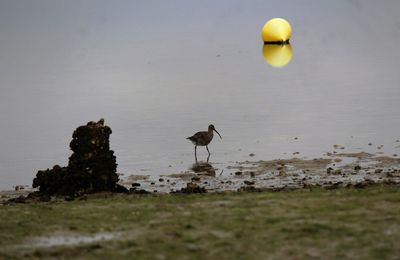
(71, 239)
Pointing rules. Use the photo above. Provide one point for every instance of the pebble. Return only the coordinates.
(249, 182)
(338, 171)
(196, 178)
(238, 173)
(282, 173)
(251, 155)
(19, 187)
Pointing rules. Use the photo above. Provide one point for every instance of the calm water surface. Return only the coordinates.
(159, 71)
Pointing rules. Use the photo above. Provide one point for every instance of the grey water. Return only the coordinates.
(159, 71)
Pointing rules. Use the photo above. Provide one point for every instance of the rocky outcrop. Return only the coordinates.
(91, 167)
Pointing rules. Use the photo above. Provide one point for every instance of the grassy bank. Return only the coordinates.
(342, 223)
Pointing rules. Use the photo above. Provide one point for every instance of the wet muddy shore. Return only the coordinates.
(333, 170)
(330, 171)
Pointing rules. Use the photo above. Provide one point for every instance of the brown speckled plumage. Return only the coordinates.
(203, 138)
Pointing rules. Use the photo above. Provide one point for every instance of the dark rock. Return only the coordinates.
(337, 172)
(191, 188)
(20, 199)
(248, 189)
(357, 168)
(69, 198)
(161, 180)
(45, 198)
(19, 187)
(238, 173)
(282, 173)
(329, 170)
(249, 182)
(196, 178)
(120, 189)
(91, 167)
(135, 184)
(135, 191)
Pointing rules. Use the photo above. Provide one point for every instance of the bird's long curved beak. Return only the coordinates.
(218, 133)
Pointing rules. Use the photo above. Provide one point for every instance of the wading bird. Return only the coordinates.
(203, 139)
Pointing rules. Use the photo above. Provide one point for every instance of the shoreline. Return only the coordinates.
(334, 170)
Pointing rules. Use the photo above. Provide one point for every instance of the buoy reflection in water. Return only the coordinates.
(277, 55)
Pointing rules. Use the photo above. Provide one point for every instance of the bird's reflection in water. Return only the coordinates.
(204, 168)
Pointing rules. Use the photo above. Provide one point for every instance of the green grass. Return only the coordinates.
(325, 224)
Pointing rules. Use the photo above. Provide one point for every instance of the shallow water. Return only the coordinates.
(158, 72)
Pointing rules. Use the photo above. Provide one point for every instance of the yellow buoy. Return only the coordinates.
(276, 30)
(277, 55)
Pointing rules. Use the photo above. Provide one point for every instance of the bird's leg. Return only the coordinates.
(195, 153)
(208, 150)
(208, 157)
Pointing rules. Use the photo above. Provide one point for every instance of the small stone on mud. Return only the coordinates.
(337, 172)
(392, 174)
(196, 178)
(282, 173)
(296, 138)
(249, 189)
(252, 154)
(249, 182)
(357, 168)
(161, 180)
(135, 184)
(134, 191)
(369, 144)
(152, 183)
(252, 174)
(238, 173)
(192, 188)
(69, 198)
(19, 187)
